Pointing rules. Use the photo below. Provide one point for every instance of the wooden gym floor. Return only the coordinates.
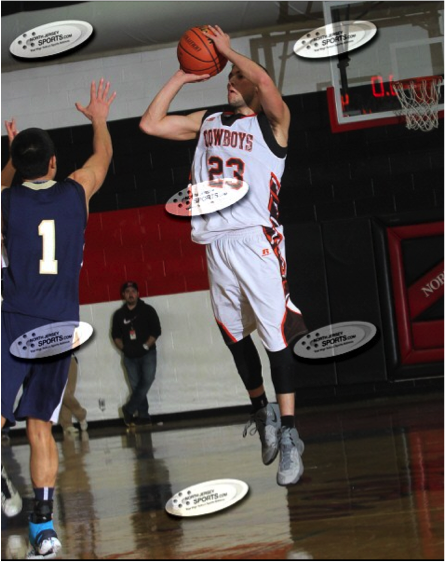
(372, 489)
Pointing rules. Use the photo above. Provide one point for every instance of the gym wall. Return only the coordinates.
(340, 195)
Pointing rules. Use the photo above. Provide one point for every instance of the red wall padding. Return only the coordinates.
(145, 245)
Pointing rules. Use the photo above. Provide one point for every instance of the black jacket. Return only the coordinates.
(142, 321)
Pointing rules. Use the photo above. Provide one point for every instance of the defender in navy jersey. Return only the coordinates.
(43, 224)
(244, 243)
(55, 215)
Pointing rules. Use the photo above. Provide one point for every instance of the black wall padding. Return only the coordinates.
(309, 292)
(353, 294)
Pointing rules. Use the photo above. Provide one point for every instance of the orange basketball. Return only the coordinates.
(197, 53)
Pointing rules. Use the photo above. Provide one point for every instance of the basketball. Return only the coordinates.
(197, 53)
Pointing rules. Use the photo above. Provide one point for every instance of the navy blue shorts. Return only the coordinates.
(43, 380)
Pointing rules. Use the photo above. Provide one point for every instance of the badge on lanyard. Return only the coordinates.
(132, 333)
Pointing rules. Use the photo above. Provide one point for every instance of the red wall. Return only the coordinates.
(145, 245)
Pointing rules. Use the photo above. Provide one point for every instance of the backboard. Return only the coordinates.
(408, 44)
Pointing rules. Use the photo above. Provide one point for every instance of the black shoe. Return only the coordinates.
(143, 421)
(129, 420)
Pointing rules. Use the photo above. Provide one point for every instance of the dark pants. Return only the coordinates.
(141, 374)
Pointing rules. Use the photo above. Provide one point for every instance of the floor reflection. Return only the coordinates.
(74, 500)
(150, 525)
(372, 489)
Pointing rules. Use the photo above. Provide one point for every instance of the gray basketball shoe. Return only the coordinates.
(291, 467)
(267, 423)
(11, 500)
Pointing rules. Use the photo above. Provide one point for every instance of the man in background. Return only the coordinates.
(135, 329)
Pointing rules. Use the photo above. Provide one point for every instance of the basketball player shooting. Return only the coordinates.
(245, 243)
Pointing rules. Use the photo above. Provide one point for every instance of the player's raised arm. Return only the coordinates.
(271, 101)
(92, 174)
(8, 172)
(157, 123)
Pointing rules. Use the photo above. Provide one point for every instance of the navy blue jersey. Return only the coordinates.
(43, 231)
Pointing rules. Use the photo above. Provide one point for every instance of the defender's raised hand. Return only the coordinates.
(99, 105)
(11, 129)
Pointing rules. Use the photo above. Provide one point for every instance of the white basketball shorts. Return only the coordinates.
(248, 287)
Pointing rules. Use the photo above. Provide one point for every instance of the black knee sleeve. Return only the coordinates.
(247, 362)
(283, 370)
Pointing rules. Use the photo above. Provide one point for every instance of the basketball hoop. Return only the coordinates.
(419, 98)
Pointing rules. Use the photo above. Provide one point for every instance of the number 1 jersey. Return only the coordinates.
(43, 227)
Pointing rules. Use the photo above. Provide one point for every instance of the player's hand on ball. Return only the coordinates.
(221, 39)
(197, 53)
(187, 77)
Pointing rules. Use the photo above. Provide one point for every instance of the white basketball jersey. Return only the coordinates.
(243, 147)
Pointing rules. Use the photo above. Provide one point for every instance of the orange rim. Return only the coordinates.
(406, 83)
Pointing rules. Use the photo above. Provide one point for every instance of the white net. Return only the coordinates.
(420, 103)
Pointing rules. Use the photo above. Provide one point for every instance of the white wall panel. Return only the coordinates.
(195, 369)
(44, 96)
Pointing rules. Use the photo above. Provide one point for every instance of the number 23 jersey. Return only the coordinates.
(244, 147)
(43, 228)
